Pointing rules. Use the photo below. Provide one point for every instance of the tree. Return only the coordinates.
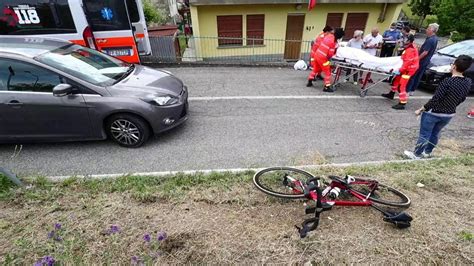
(456, 15)
(153, 14)
(422, 8)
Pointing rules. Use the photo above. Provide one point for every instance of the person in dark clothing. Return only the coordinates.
(438, 112)
(390, 39)
(426, 52)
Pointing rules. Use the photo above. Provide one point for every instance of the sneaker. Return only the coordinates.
(389, 95)
(425, 155)
(411, 155)
(356, 83)
(328, 89)
(399, 106)
(309, 84)
(411, 93)
(345, 80)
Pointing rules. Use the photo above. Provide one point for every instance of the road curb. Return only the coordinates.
(234, 170)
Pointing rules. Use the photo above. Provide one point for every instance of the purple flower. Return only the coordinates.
(58, 238)
(162, 236)
(57, 226)
(147, 237)
(51, 234)
(47, 260)
(135, 260)
(114, 229)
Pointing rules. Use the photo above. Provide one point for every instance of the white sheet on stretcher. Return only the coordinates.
(358, 57)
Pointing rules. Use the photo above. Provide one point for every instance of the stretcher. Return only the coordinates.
(357, 60)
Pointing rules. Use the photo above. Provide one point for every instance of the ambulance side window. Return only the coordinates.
(24, 17)
(133, 11)
(107, 15)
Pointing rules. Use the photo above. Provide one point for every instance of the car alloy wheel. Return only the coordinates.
(125, 132)
(128, 130)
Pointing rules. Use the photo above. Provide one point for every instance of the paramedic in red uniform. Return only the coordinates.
(314, 47)
(410, 65)
(322, 55)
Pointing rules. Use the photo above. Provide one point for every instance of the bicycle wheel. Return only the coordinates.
(282, 182)
(382, 194)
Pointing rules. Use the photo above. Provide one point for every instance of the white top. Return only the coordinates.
(354, 43)
(373, 41)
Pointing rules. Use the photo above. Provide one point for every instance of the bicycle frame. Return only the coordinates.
(312, 195)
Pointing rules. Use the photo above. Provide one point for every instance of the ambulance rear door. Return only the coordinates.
(112, 29)
(139, 28)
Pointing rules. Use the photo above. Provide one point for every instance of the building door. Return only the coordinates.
(294, 36)
(355, 21)
(334, 20)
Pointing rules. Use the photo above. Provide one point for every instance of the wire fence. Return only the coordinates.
(222, 50)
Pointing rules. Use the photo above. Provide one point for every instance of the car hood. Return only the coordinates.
(147, 81)
(440, 60)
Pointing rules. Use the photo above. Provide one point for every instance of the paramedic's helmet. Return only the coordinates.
(339, 33)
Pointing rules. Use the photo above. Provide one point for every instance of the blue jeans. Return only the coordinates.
(430, 127)
(415, 79)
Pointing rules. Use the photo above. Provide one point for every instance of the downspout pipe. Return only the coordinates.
(383, 13)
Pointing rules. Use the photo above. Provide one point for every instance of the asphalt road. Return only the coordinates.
(268, 127)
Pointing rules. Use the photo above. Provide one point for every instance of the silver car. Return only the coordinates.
(52, 90)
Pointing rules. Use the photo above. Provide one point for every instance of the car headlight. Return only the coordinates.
(442, 69)
(161, 100)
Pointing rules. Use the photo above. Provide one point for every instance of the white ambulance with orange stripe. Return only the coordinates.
(115, 27)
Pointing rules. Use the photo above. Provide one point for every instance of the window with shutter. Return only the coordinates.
(255, 29)
(334, 20)
(229, 30)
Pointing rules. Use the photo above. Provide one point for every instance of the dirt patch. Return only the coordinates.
(238, 224)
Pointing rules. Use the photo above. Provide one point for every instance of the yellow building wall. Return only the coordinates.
(205, 24)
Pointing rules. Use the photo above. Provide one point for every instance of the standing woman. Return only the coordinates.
(358, 43)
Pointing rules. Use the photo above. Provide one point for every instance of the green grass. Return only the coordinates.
(440, 175)
(139, 204)
(465, 236)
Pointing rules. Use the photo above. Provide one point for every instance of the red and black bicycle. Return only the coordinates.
(292, 183)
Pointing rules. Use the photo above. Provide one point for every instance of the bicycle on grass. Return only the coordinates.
(293, 183)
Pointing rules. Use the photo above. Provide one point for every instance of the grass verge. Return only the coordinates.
(221, 218)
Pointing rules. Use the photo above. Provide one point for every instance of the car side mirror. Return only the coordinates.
(61, 90)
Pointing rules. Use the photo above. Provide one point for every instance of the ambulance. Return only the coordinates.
(115, 27)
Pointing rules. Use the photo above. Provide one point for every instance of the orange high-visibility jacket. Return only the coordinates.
(410, 59)
(327, 47)
(317, 42)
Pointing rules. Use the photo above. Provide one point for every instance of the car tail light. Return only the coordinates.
(89, 38)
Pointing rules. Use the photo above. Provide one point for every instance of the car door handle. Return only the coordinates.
(15, 103)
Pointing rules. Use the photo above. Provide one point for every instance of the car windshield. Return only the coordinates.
(87, 64)
(457, 49)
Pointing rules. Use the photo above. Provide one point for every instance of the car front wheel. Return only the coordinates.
(127, 130)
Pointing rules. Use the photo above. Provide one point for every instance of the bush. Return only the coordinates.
(153, 14)
(456, 15)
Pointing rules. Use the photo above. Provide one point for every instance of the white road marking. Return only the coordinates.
(291, 97)
(231, 170)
